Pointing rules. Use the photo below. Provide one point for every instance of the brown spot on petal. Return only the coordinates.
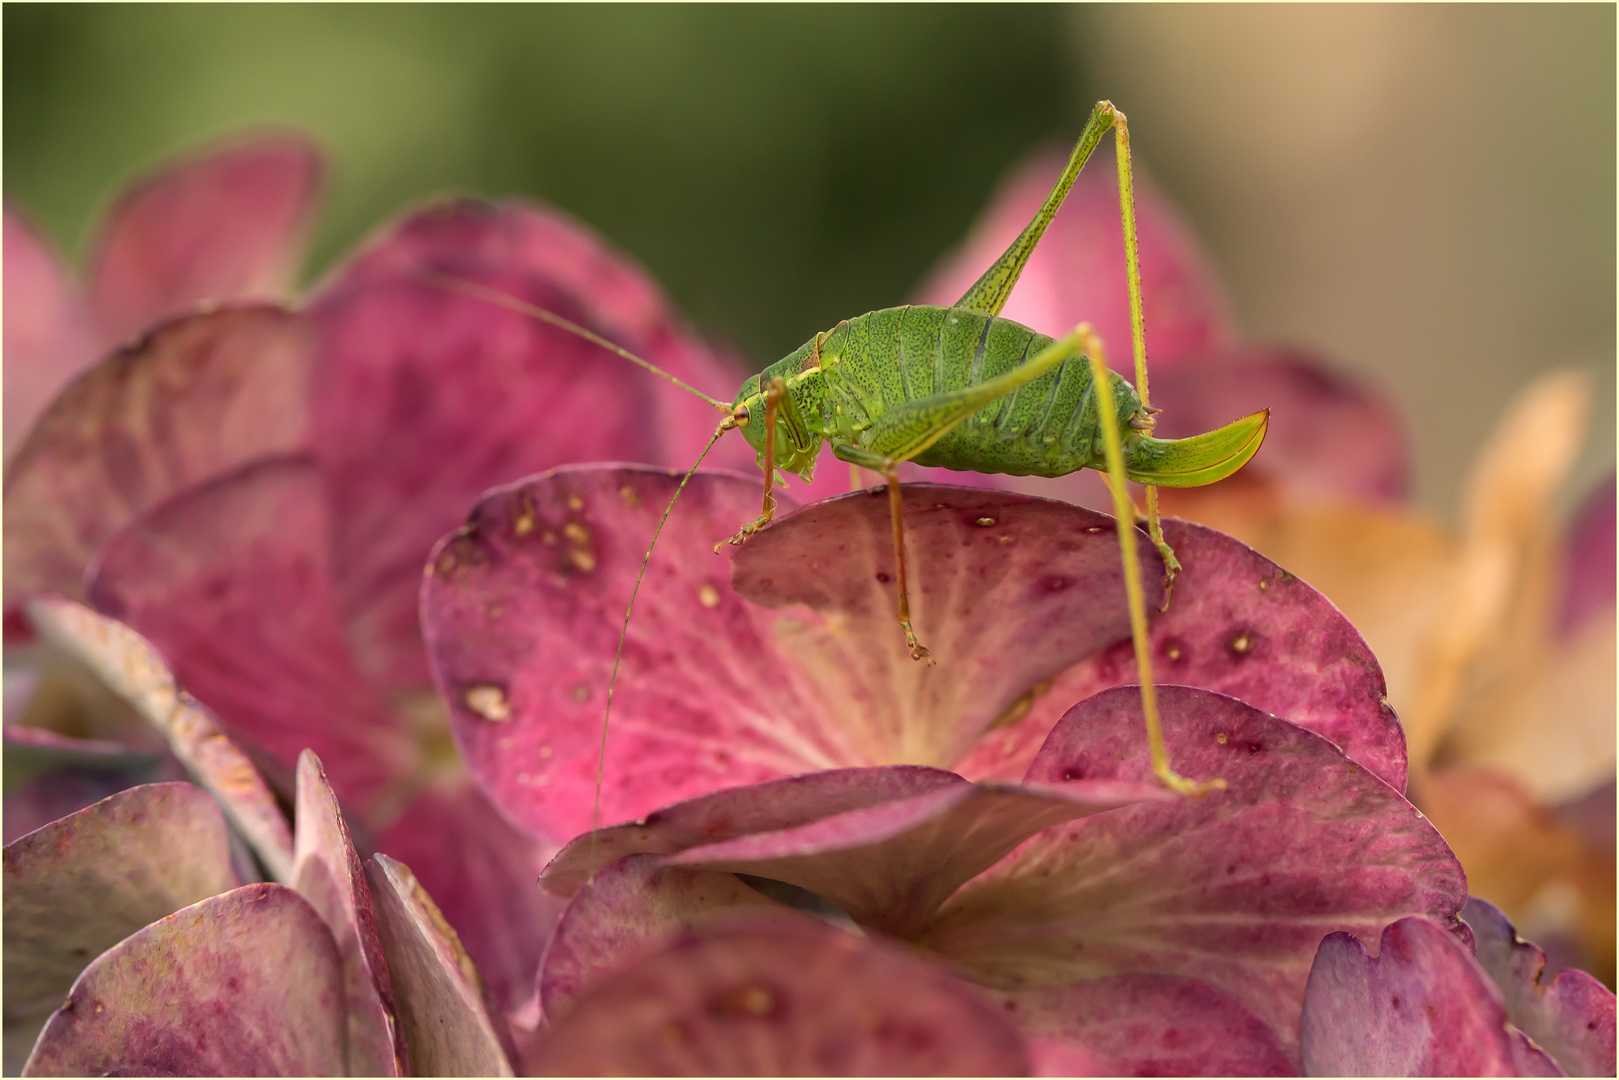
(584, 560)
(984, 522)
(576, 532)
(1242, 643)
(575, 503)
(1221, 738)
(523, 523)
(580, 693)
(488, 701)
(708, 596)
(631, 499)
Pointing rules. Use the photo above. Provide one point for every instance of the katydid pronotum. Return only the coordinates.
(963, 388)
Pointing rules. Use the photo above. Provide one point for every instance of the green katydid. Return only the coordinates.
(963, 388)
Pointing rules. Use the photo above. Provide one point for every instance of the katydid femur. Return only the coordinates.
(963, 388)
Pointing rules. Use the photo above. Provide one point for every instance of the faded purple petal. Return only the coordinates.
(243, 984)
(1571, 1017)
(891, 866)
(1235, 888)
(199, 396)
(47, 328)
(740, 811)
(49, 776)
(1243, 626)
(428, 396)
(1330, 435)
(1143, 1025)
(813, 1001)
(442, 1011)
(231, 580)
(326, 872)
(631, 908)
(80, 885)
(229, 223)
(481, 871)
(129, 665)
(1590, 568)
(1420, 1007)
(522, 610)
(1077, 273)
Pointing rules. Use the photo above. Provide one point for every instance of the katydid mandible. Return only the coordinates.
(963, 388)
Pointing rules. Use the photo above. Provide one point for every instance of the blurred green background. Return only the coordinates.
(1422, 193)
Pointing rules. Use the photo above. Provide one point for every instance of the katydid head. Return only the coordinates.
(796, 400)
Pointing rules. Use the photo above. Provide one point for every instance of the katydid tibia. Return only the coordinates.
(963, 388)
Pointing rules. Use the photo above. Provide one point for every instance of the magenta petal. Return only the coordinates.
(442, 1008)
(1144, 1025)
(1243, 626)
(47, 328)
(231, 581)
(480, 870)
(1590, 567)
(1330, 435)
(890, 866)
(129, 665)
(1077, 273)
(741, 811)
(326, 872)
(245, 983)
(225, 224)
(81, 884)
(199, 396)
(1571, 1017)
(741, 1000)
(1234, 888)
(1421, 1007)
(428, 396)
(632, 907)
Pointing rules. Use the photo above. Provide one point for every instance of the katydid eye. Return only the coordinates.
(740, 415)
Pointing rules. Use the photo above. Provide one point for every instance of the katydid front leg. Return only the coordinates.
(773, 396)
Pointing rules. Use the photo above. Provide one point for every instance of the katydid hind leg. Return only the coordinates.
(888, 468)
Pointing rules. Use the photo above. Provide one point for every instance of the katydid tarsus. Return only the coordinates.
(963, 388)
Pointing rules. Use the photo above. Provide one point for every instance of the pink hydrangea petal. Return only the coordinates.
(632, 907)
(131, 667)
(1235, 888)
(443, 1011)
(741, 1000)
(1420, 1007)
(326, 872)
(1590, 566)
(199, 396)
(740, 811)
(83, 883)
(481, 872)
(47, 329)
(891, 866)
(1241, 625)
(244, 983)
(1330, 435)
(1144, 1025)
(1077, 273)
(227, 223)
(231, 580)
(1571, 1017)
(428, 396)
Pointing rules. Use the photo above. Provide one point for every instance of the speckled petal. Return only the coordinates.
(326, 872)
(197, 397)
(442, 1010)
(1420, 1007)
(631, 908)
(1077, 273)
(1243, 626)
(427, 396)
(815, 1001)
(523, 607)
(231, 580)
(48, 338)
(1143, 1025)
(83, 883)
(741, 811)
(227, 223)
(1235, 888)
(891, 866)
(1571, 1017)
(247, 983)
(132, 668)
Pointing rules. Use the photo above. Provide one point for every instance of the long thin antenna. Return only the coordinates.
(495, 296)
(601, 755)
